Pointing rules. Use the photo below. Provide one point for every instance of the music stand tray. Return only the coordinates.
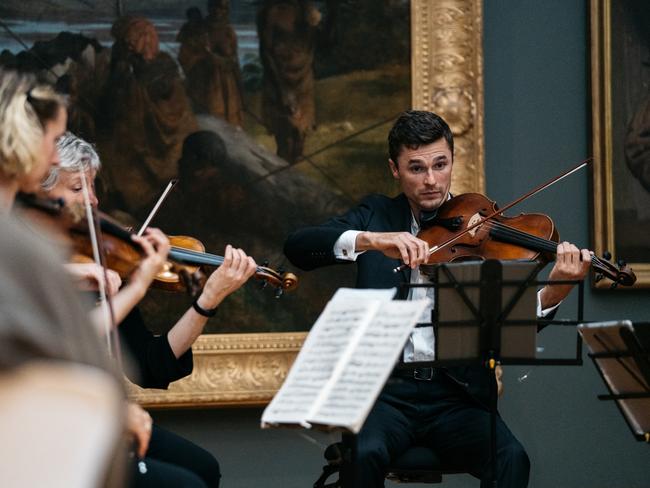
(483, 307)
(623, 362)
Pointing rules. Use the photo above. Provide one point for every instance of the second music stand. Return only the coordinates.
(622, 357)
(485, 314)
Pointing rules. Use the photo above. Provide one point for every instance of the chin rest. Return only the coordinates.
(418, 464)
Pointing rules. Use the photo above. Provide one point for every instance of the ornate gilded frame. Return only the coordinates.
(447, 77)
(601, 89)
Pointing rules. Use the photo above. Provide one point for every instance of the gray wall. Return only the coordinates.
(537, 124)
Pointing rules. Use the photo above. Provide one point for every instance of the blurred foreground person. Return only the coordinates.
(60, 401)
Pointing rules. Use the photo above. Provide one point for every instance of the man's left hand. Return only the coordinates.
(571, 264)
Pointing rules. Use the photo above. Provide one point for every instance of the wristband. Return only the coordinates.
(202, 311)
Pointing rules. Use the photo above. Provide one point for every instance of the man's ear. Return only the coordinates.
(394, 169)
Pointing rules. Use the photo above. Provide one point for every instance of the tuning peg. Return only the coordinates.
(281, 271)
(265, 263)
(598, 277)
(607, 255)
(614, 285)
(621, 263)
(278, 292)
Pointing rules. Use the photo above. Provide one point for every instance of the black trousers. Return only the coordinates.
(436, 414)
(173, 461)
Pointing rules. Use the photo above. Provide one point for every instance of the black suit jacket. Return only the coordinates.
(312, 247)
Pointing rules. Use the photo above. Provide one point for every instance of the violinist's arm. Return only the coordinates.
(236, 269)
(571, 264)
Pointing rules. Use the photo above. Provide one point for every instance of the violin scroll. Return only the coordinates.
(619, 274)
(280, 280)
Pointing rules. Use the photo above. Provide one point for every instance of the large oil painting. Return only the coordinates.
(272, 114)
(621, 131)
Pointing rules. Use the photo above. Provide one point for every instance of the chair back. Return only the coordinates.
(60, 425)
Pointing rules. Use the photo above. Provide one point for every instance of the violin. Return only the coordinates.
(123, 255)
(189, 255)
(471, 227)
(186, 256)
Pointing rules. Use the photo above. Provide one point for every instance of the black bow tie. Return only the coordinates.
(427, 218)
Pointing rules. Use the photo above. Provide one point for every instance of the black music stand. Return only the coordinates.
(621, 354)
(485, 314)
(485, 311)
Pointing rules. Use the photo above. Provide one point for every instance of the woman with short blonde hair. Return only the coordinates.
(32, 118)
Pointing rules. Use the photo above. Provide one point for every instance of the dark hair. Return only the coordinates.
(46, 109)
(415, 128)
(193, 14)
(217, 3)
(202, 149)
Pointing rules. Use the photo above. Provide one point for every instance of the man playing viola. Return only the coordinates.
(443, 408)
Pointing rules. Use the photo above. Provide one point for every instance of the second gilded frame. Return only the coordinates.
(620, 81)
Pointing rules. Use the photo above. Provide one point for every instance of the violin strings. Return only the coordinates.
(547, 245)
(202, 256)
(535, 241)
(205, 257)
(516, 236)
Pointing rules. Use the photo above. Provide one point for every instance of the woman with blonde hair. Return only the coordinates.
(32, 118)
(43, 324)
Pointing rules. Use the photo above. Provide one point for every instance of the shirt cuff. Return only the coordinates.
(344, 247)
(543, 313)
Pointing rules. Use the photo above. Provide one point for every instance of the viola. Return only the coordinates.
(471, 227)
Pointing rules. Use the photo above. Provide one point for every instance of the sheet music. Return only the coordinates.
(359, 378)
(332, 335)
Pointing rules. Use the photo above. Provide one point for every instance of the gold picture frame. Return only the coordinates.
(447, 77)
(604, 201)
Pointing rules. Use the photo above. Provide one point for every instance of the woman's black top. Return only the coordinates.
(153, 356)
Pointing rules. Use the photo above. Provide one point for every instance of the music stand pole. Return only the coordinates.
(490, 338)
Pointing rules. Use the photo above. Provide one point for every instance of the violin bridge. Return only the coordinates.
(473, 220)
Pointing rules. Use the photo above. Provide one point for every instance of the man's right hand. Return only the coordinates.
(397, 245)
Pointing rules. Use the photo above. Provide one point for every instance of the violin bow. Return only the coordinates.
(155, 208)
(499, 211)
(99, 254)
